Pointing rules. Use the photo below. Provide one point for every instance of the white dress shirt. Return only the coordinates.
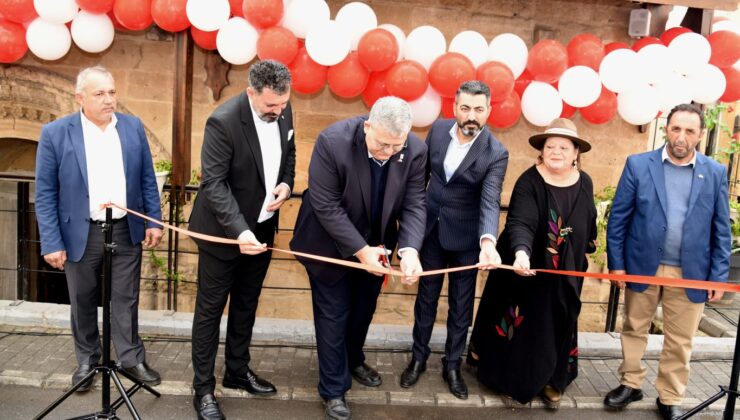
(456, 153)
(268, 134)
(106, 179)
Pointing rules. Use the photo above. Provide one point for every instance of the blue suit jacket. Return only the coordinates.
(467, 206)
(637, 223)
(62, 200)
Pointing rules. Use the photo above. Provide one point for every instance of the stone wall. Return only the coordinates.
(142, 64)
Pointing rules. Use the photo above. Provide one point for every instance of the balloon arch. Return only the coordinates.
(357, 57)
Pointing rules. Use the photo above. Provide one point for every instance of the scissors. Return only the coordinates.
(386, 263)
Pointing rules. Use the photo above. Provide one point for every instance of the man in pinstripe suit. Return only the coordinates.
(465, 168)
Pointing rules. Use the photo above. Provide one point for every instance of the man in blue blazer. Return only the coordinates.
(85, 160)
(669, 218)
(465, 169)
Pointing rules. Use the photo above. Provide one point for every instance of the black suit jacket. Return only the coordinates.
(232, 187)
(334, 218)
(467, 206)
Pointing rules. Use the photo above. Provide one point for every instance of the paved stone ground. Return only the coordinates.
(45, 358)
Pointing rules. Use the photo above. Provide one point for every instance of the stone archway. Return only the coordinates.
(33, 96)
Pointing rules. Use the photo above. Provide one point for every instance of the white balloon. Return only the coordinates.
(236, 41)
(619, 70)
(208, 15)
(400, 37)
(541, 103)
(579, 86)
(471, 44)
(638, 106)
(356, 18)
(510, 50)
(708, 84)
(654, 61)
(56, 11)
(300, 15)
(48, 41)
(674, 89)
(92, 32)
(327, 43)
(726, 25)
(426, 109)
(689, 52)
(424, 44)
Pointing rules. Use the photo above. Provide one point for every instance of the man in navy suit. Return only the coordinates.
(465, 168)
(669, 218)
(84, 160)
(366, 194)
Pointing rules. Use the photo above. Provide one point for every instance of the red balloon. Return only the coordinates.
(448, 107)
(134, 15)
(568, 111)
(407, 79)
(116, 24)
(732, 91)
(237, 7)
(263, 13)
(603, 110)
(449, 71)
(12, 41)
(18, 11)
(585, 50)
(204, 39)
(277, 43)
(506, 113)
(725, 48)
(643, 42)
(307, 76)
(96, 6)
(547, 61)
(615, 46)
(667, 36)
(348, 78)
(375, 88)
(522, 82)
(378, 49)
(170, 15)
(498, 77)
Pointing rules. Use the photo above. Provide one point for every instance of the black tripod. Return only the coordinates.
(731, 391)
(108, 368)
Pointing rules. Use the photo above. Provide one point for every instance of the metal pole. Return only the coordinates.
(22, 240)
(107, 281)
(732, 391)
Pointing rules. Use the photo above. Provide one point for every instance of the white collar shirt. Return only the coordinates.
(456, 152)
(268, 134)
(106, 178)
(665, 157)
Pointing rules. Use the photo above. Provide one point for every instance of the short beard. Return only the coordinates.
(469, 132)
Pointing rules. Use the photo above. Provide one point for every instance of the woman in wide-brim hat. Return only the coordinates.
(525, 334)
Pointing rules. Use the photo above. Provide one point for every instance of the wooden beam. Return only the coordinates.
(182, 106)
(728, 5)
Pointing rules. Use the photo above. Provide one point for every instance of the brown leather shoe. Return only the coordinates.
(551, 397)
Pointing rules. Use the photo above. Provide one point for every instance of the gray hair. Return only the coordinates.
(85, 73)
(393, 113)
(269, 74)
(474, 88)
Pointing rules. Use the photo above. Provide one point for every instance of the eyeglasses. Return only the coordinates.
(394, 147)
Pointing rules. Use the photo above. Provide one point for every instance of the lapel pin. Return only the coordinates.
(701, 176)
(400, 158)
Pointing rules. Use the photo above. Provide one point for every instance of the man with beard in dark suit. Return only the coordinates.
(248, 161)
(366, 194)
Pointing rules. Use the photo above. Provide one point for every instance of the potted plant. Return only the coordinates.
(162, 169)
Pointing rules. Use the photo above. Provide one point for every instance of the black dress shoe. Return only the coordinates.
(669, 412)
(336, 409)
(143, 373)
(207, 407)
(455, 381)
(80, 373)
(366, 375)
(249, 382)
(621, 396)
(411, 374)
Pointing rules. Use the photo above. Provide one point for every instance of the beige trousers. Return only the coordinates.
(681, 319)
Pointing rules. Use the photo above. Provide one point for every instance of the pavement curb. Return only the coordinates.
(301, 332)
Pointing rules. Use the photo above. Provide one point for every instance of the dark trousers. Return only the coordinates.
(461, 292)
(239, 279)
(342, 312)
(83, 283)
